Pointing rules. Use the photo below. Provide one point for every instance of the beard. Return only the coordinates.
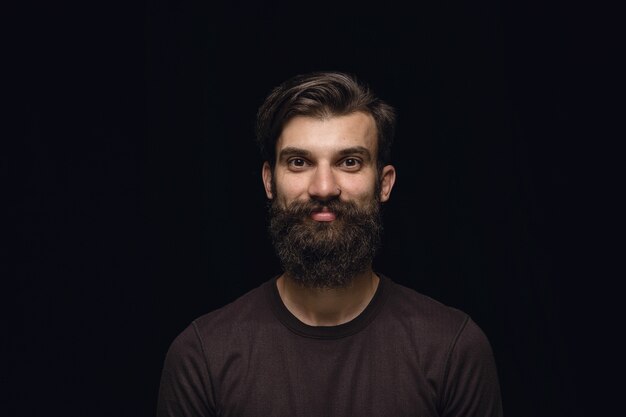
(325, 254)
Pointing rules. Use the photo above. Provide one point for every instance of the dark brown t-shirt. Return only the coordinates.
(404, 355)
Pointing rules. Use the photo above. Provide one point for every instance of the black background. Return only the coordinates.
(139, 204)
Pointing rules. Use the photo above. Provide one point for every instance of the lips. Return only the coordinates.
(323, 215)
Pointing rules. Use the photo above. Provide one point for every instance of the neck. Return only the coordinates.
(328, 307)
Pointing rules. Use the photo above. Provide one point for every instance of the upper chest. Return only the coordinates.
(369, 374)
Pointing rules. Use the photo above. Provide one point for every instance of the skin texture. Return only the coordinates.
(324, 159)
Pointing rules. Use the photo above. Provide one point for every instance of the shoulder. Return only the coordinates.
(249, 310)
(236, 321)
(435, 325)
(217, 331)
(423, 312)
(452, 347)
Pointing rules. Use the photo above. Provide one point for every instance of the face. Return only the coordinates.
(326, 192)
(328, 159)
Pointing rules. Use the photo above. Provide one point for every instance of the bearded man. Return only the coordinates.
(329, 336)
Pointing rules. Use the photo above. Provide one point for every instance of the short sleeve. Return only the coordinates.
(471, 387)
(185, 389)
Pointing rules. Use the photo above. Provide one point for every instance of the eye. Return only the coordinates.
(297, 163)
(351, 163)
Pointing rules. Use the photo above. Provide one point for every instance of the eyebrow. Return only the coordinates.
(292, 151)
(355, 150)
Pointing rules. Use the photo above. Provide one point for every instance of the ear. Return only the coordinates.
(267, 179)
(387, 179)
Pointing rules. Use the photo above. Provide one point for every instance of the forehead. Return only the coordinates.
(329, 134)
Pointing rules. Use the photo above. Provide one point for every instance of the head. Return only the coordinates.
(326, 140)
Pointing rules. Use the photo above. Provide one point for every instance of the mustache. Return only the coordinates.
(302, 208)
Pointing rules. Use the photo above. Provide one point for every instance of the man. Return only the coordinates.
(329, 337)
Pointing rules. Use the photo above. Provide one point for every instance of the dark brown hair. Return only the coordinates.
(322, 95)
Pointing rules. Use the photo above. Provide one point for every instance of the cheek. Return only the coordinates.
(289, 189)
(362, 190)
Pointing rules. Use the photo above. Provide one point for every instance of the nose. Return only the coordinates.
(323, 186)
